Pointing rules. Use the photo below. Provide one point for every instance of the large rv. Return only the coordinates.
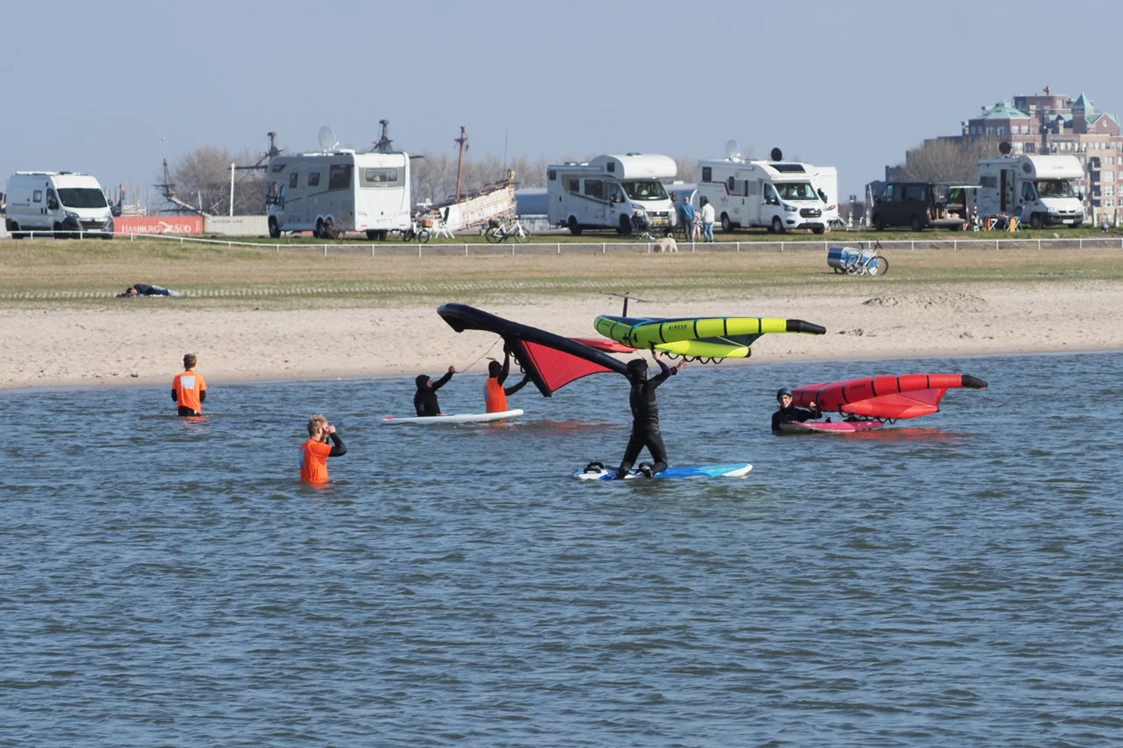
(334, 192)
(1039, 190)
(62, 204)
(606, 193)
(777, 195)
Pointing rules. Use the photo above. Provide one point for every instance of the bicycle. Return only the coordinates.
(421, 233)
(500, 232)
(859, 261)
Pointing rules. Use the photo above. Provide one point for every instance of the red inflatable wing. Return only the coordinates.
(887, 397)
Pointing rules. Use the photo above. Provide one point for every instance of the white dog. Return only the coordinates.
(667, 244)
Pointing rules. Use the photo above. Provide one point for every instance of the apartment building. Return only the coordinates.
(1045, 122)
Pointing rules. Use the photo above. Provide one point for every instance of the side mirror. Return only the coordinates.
(52, 204)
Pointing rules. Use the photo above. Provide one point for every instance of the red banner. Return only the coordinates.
(158, 225)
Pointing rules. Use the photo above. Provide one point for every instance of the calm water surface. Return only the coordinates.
(954, 581)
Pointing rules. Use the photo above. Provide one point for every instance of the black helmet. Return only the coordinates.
(637, 367)
(422, 379)
(783, 391)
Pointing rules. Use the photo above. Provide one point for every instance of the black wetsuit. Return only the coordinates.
(425, 401)
(338, 448)
(794, 414)
(645, 423)
(505, 371)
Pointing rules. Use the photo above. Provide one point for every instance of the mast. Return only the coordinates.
(462, 141)
(384, 144)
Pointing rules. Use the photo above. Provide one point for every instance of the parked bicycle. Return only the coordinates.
(500, 232)
(416, 231)
(861, 261)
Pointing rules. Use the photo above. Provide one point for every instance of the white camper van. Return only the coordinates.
(777, 195)
(606, 192)
(1038, 190)
(62, 204)
(333, 192)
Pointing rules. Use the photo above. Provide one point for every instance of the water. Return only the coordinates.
(952, 582)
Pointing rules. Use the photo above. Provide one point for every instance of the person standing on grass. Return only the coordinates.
(707, 221)
(189, 389)
(314, 453)
(686, 215)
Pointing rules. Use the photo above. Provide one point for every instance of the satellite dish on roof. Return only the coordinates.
(777, 154)
(327, 138)
(1004, 148)
(732, 150)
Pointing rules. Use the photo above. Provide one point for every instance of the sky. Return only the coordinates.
(109, 88)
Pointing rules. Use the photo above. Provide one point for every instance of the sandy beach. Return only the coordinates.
(142, 342)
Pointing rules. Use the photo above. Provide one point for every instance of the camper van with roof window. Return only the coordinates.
(337, 191)
(777, 195)
(608, 191)
(1039, 190)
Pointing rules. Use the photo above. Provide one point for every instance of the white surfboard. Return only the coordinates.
(596, 471)
(449, 420)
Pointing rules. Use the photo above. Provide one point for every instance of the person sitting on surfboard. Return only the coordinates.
(314, 453)
(495, 394)
(645, 417)
(425, 401)
(788, 413)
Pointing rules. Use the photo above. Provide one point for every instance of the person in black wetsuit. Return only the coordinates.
(788, 413)
(425, 401)
(645, 416)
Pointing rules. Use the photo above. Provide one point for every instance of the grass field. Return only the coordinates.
(93, 271)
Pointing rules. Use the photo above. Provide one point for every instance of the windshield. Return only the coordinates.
(647, 189)
(797, 191)
(82, 197)
(1054, 188)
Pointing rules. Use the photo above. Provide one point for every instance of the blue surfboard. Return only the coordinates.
(735, 470)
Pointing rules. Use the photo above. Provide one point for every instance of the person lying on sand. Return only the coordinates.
(143, 289)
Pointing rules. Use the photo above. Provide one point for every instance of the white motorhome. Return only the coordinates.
(333, 192)
(1038, 190)
(62, 204)
(605, 193)
(777, 195)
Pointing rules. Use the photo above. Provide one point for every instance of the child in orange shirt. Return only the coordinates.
(314, 453)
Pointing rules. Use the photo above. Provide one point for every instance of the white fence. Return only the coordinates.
(386, 249)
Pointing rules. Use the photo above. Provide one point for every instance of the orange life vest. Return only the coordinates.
(494, 396)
